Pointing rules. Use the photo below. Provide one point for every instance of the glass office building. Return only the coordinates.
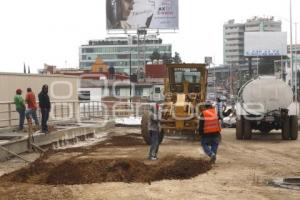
(119, 52)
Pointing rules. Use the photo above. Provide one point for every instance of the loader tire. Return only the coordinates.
(239, 129)
(247, 129)
(294, 127)
(144, 127)
(285, 129)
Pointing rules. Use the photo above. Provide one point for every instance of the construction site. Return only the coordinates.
(125, 116)
(105, 155)
(115, 166)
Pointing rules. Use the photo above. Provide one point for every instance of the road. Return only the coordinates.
(241, 172)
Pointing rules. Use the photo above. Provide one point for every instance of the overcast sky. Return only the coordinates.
(51, 31)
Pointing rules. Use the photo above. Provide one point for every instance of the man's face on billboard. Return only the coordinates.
(126, 7)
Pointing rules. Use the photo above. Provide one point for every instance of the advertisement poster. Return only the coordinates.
(134, 14)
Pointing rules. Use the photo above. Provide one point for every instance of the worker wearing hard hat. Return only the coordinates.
(209, 129)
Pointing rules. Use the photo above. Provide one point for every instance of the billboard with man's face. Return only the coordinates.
(134, 14)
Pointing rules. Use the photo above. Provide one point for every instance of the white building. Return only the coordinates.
(116, 51)
(233, 37)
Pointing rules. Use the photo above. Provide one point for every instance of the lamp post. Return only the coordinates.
(130, 78)
(291, 49)
(294, 77)
(296, 63)
(141, 31)
(215, 79)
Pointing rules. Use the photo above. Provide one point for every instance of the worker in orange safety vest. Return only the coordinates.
(209, 130)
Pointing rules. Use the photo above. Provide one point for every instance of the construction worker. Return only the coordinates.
(20, 107)
(209, 129)
(31, 106)
(45, 106)
(153, 127)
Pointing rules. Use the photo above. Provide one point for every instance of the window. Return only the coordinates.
(157, 90)
(138, 91)
(187, 74)
(117, 91)
(84, 95)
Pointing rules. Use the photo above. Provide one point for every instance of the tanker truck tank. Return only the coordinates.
(263, 104)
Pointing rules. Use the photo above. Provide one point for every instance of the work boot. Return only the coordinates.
(153, 158)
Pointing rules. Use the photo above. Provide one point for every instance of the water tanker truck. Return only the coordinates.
(266, 103)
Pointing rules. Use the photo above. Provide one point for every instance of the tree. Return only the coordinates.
(24, 69)
(177, 58)
(167, 59)
(155, 55)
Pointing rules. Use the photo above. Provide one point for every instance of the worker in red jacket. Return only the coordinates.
(31, 106)
(209, 129)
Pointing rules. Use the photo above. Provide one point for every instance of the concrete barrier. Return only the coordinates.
(21, 145)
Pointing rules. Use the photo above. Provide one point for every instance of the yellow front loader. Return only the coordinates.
(185, 93)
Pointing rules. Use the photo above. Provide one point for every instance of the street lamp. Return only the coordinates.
(130, 77)
(141, 31)
(294, 84)
(296, 63)
(293, 48)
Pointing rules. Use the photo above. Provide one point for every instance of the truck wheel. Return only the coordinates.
(144, 126)
(239, 129)
(285, 130)
(294, 127)
(247, 129)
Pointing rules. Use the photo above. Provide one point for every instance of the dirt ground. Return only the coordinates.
(241, 172)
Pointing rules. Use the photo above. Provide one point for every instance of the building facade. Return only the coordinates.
(122, 52)
(233, 37)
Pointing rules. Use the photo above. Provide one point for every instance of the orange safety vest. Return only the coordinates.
(211, 121)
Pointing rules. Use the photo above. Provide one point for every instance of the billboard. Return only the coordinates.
(259, 44)
(134, 14)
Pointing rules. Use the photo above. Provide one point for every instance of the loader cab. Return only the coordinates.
(156, 93)
(187, 78)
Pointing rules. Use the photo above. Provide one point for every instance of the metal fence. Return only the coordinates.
(76, 110)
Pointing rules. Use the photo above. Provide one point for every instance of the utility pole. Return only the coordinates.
(230, 79)
(141, 31)
(296, 66)
(257, 62)
(138, 53)
(144, 51)
(130, 88)
(291, 48)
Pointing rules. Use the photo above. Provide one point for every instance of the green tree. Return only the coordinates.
(266, 65)
(167, 59)
(177, 58)
(155, 55)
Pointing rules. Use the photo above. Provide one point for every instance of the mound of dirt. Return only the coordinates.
(122, 141)
(86, 171)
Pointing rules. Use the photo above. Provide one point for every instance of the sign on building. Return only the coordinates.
(208, 60)
(259, 44)
(134, 14)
